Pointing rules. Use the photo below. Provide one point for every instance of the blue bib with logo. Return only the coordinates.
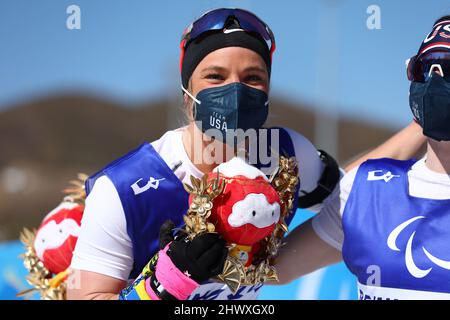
(150, 194)
(397, 245)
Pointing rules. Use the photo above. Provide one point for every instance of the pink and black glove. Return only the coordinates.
(181, 266)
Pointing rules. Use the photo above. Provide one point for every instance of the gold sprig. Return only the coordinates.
(76, 191)
(203, 192)
(285, 183)
(39, 277)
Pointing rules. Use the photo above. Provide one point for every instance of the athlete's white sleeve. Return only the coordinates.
(327, 224)
(103, 245)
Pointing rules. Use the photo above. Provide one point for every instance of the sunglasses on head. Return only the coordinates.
(217, 19)
(421, 67)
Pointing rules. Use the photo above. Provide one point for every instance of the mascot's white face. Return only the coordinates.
(57, 236)
(53, 235)
(255, 210)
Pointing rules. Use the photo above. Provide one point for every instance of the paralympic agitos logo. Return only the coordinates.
(411, 265)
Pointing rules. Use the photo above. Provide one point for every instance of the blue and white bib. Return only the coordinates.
(397, 245)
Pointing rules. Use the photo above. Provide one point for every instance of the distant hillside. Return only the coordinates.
(74, 130)
(44, 143)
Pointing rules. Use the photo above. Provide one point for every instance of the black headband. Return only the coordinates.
(202, 46)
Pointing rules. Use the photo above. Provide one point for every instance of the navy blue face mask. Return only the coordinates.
(230, 107)
(430, 105)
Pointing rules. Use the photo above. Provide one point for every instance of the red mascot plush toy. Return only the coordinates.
(50, 249)
(247, 210)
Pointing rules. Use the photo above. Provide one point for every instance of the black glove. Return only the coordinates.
(203, 257)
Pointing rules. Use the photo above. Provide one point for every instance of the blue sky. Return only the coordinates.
(128, 50)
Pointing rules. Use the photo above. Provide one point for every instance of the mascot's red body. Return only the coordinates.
(57, 236)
